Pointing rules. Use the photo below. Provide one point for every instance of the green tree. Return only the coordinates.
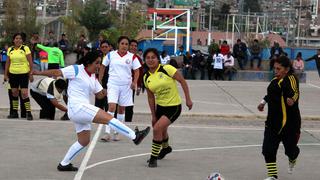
(29, 20)
(252, 6)
(93, 17)
(11, 23)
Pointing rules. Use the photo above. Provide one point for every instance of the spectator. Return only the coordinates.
(43, 60)
(186, 65)
(229, 69)
(224, 48)
(63, 44)
(218, 66)
(181, 51)
(55, 56)
(317, 59)
(35, 39)
(164, 58)
(298, 64)
(80, 46)
(240, 52)
(276, 50)
(209, 65)
(51, 39)
(198, 63)
(255, 50)
(3, 56)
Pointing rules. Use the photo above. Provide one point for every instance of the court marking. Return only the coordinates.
(310, 84)
(186, 150)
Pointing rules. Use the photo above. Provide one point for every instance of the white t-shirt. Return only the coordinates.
(218, 61)
(165, 60)
(81, 85)
(120, 67)
(228, 61)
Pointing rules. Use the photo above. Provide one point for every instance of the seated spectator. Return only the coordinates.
(164, 58)
(298, 65)
(229, 69)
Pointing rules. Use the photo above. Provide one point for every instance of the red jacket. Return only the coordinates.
(224, 49)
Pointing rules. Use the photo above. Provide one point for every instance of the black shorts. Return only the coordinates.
(19, 80)
(171, 112)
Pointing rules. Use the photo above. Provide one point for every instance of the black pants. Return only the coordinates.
(102, 103)
(129, 110)
(48, 110)
(272, 140)
(210, 70)
(53, 66)
(218, 74)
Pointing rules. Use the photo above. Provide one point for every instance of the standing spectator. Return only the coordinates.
(63, 44)
(317, 59)
(51, 39)
(55, 56)
(229, 69)
(224, 48)
(283, 120)
(218, 66)
(48, 93)
(43, 60)
(181, 51)
(97, 44)
(129, 109)
(18, 67)
(4, 56)
(255, 50)
(298, 65)
(164, 58)
(209, 65)
(80, 46)
(198, 63)
(120, 82)
(186, 65)
(240, 52)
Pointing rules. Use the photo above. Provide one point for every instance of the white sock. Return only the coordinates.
(107, 127)
(122, 128)
(121, 117)
(71, 154)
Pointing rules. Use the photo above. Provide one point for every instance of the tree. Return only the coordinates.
(11, 23)
(252, 6)
(29, 20)
(93, 17)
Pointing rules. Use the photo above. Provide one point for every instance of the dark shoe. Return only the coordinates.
(140, 135)
(29, 116)
(68, 167)
(65, 117)
(152, 162)
(23, 115)
(164, 152)
(13, 115)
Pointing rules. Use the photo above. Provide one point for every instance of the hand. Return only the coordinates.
(138, 91)
(290, 101)
(5, 78)
(189, 103)
(30, 77)
(104, 92)
(260, 107)
(133, 86)
(35, 72)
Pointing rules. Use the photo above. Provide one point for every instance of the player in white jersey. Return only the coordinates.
(120, 84)
(82, 84)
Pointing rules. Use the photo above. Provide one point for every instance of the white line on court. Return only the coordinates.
(86, 158)
(314, 85)
(185, 150)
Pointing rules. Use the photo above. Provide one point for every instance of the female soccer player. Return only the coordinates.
(283, 121)
(164, 101)
(83, 83)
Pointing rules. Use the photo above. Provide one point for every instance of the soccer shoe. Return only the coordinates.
(291, 166)
(140, 135)
(68, 167)
(164, 152)
(152, 162)
(13, 115)
(271, 178)
(116, 136)
(29, 116)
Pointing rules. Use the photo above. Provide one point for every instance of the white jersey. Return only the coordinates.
(81, 86)
(228, 61)
(218, 61)
(120, 67)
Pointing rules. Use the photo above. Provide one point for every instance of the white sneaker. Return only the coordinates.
(116, 136)
(291, 167)
(270, 178)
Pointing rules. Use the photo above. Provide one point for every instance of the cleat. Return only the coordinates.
(136, 129)
(164, 152)
(271, 178)
(291, 166)
(140, 135)
(68, 167)
(13, 115)
(152, 162)
(29, 116)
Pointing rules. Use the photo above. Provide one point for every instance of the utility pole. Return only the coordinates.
(44, 11)
(299, 21)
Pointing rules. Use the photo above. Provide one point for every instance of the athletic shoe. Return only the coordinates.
(140, 135)
(68, 167)
(164, 152)
(291, 166)
(116, 136)
(106, 138)
(29, 116)
(271, 178)
(13, 115)
(152, 162)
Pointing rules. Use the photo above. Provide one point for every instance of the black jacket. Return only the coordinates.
(316, 58)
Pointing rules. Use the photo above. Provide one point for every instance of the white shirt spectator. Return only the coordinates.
(165, 60)
(228, 61)
(218, 61)
(120, 67)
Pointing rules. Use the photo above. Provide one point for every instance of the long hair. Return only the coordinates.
(284, 61)
(89, 58)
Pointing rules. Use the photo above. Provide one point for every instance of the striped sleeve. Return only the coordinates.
(293, 88)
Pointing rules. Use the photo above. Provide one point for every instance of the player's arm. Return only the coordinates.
(29, 58)
(136, 73)
(290, 89)
(51, 72)
(56, 104)
(6, 69)
(185, 88)
(152, 105)
(101, 94)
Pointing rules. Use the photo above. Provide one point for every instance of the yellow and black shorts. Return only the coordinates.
(171, 112)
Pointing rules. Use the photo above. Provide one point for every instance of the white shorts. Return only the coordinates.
(82, 116)
(121, 95)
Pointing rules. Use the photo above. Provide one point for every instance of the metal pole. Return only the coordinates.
(188, 30)
(210, 19)
(299, 18)
(233, 23)
(227, 32)
(44, 11)
(67, 8)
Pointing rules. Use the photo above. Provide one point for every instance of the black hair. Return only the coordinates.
(154, 50)
(89, 58)
(133, 41)
(174, 63)
(123, 37)
(104, 42)
(299, 54)
(285, 62)
(23, 36)
(61, 84)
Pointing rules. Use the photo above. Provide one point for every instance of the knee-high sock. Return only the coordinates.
(121, 128)
(272, 169)
(165, 143)
(27, 105)
(71, 154)
(107, 127)
(121, 117)
(156, 147)
(15, 103)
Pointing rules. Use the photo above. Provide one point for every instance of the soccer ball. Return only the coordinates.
(215, 176)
